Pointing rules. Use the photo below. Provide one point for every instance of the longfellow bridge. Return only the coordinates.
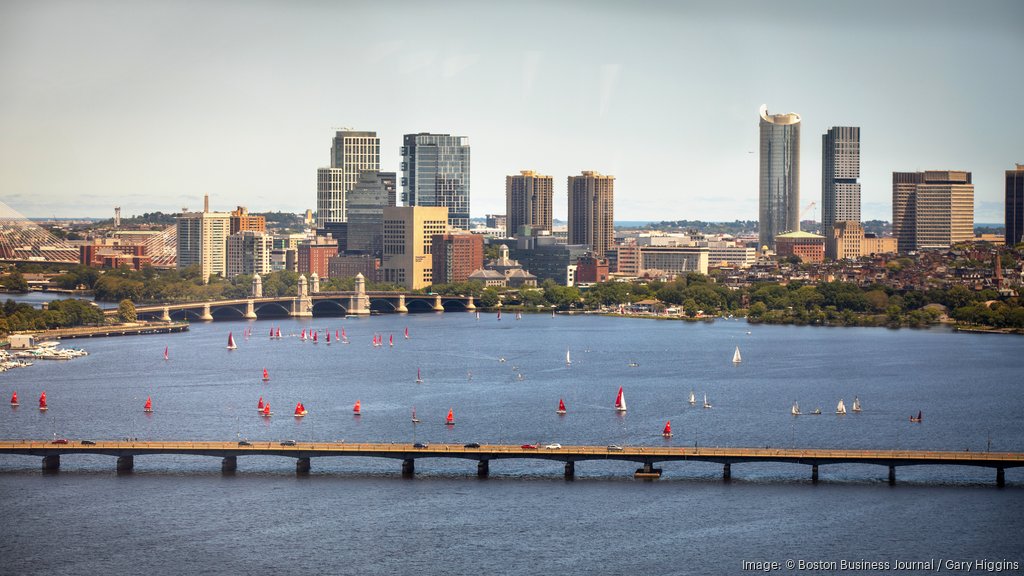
(647, 457)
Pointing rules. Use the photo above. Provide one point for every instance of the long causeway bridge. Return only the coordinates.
(648, 457)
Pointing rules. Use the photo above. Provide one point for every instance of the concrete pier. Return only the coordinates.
(401, 308)
(125, 464)
(229, 464)
(727, 472)
(648, 472)
(1000, 478)
(570, 470)
(408, 467)
(302, 466)
(250, 310)
(470, 306)
(437, 304)
(51, 463)
(814, 473)
(206, 316)
(483, 468)
(892, 475)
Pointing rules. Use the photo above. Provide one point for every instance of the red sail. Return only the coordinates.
(266, 409)
(328, 334)
(166, 349)
(14, 398)
(278, 332)
(298, 409)
(42, 400)
(260, 405)
(391, 339)
(355, 409)
(149, 404)
(668, 429)
(561, 405)
(618, 399)
(266, 375)
(451, 417)
(406, 333)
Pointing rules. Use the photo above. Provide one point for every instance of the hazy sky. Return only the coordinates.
(148, 105)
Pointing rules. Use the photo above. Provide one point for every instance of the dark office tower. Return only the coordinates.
(592, 211)
(435, 172)
(366, 203)
(840, 169)
(389, 181)
(779, 198)
(351, 153)
(1015, 206)
(528, 199)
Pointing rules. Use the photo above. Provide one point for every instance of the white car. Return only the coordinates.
(553, 447)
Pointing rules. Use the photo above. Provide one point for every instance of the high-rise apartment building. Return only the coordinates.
(435, 172)
(408, 233)
(592, 211)
(1015, 206)
(352, 152)
(249, 253)
(779, 194)
(932, 209)
(202, 240)
(528, 199)
(241, 220)
(456, 256)
(840, 169)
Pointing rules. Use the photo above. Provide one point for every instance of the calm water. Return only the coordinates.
(360, 515)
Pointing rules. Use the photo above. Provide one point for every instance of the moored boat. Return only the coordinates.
(841, 407)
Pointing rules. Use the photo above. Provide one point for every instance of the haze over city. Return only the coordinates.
(149, 105)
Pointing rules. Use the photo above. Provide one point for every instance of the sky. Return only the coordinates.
(149, 105)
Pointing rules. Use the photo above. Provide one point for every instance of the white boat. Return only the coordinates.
(840, 408)
(231, 342)
(856, 404)
(568, 359)
(736, 358)
(706, 403)
(693, 399)
(795, 410)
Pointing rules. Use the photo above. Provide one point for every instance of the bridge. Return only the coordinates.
(646, 456)
(307, 302)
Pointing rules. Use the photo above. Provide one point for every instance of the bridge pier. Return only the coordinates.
(727, 472)
(166, 316)
(483, 468)
(892, 475)
(1000, 477)
(51, 463)
(206, 316)
(570, 470)
(437, 304)
(125, 464)
(229, 464)
(302, 466)
(470, 306)
(648, 472)
(814, 473)
(401, 308)
(408, 467)
(250, 311)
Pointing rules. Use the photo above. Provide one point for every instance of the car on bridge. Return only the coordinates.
(59, 441)
(420, 445)
(288, 443)
(244, 443)
(555, 446)
(471, 445)
(529, 446)
(88, 443)
(615, 448)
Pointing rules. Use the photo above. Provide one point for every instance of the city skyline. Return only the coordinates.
(103, 111)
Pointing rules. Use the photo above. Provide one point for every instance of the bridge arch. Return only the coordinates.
(329, 307)
(230, 312)
(455, 304)
(380, 304)
(418, 304)
(184, 314)
(271, 310)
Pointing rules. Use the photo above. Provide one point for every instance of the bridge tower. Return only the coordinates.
(314, 283)
(257, 286)
(359, 302)
(302, 305)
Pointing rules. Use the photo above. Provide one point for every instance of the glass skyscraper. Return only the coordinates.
(352, 152)
(779, 204)
(840, 169)
(435, 172)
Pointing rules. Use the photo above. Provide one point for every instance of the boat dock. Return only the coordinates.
(647, 457)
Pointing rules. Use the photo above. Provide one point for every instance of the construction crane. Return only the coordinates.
(803, 212)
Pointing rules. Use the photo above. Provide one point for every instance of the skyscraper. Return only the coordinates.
(592, 211)
(1015, 206)
(408, 232)
(932, 209)
(351, 153)
(528, 198)
(202, 239)
(435, 172)
(366, 202)
(779, 198)
(840, 169)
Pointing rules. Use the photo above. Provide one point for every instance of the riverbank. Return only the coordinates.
(130, 329)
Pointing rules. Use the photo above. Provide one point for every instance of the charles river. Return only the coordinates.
(179, 514)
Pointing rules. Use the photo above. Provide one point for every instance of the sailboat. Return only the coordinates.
(166, 350)
(259, 406)
(450, 420)
(344, 338)
(356, 410)
(406, 332)
(266, 410)
(42, 402)
(620, 401)
(736, 358)
(918, 419)
(391, 340)
(315, 336)
(552, 313)
(327, 333)
(795, 410)
(266, 375)
(667, 432)
(415, 420)
(419, 377)
(279, 333)
(840, 408)
(519, 315)
(14, 399)
(856, 404)
(231, 342)
(336, 335)
(271, 333)
(477, 315)
(568, 359)
(303, 336)
(499, 314)
(300, 410)
(561, 407)
(693, 399)
(706, 403)
(149, 405)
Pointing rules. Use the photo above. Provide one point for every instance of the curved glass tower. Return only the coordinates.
(779, 205)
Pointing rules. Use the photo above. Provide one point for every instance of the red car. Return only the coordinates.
(529, 446)
(59, 441)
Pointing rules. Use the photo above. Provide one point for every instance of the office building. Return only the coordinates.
(840, 169)
(348, 265)
(547, 258)
(779, 193)
(674, 260)
(313, 256)
(408, 233)
(352, 152)
(366, 202)
(455, 256)
(1015, 206)
(591, 270)
(592, 211)
(202, 241)
(847, 240)
(249, 253)
(804, 245)
(435, 172)
(932, 209)
(528, 198)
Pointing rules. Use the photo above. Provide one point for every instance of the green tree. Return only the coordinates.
(14, 282)
(126, 311)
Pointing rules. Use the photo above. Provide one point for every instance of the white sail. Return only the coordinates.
(840, 408)
(796, 409)
(856, 404)
(693, 399)
(706, 403)
(568, 359)
(622, 403)
(736, 358)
